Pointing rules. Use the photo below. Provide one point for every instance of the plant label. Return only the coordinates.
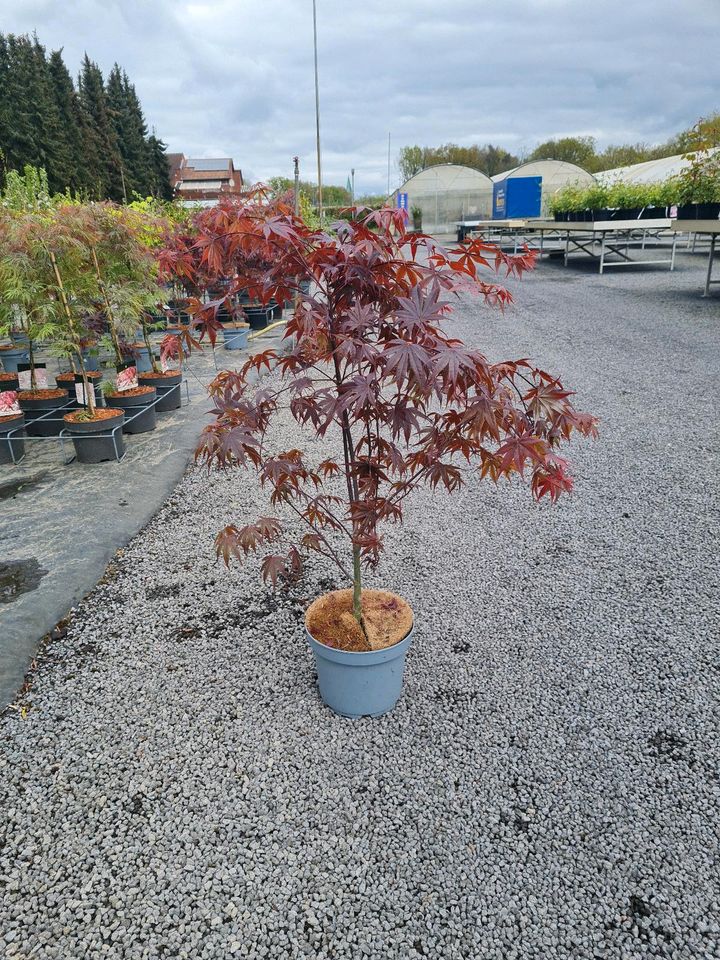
(25, 376)
(9, 403)
(126, 378)
(80, 390)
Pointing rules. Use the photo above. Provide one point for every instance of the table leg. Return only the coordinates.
(711, 255)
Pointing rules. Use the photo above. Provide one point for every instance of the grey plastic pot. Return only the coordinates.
(132, 405)
(90, 360)
(53, 407)
(11, 448)
(142, 358)
(168, 390)
(12, 357)
(236, 338)
(360, 684)
(93, 439)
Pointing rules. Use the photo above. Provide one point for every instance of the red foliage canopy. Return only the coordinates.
(371, 363)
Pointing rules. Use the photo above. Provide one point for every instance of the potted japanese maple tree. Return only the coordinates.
(372, 368)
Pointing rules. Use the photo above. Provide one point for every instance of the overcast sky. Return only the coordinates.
(235, 77)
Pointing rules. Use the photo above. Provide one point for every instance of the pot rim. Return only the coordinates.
(360, 658)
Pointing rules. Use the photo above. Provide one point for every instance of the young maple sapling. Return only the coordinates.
(371, 364)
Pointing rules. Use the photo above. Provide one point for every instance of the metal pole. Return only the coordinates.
(711, 255)
(317, 111)
(352, 185)
(297, 186)
(388, 185)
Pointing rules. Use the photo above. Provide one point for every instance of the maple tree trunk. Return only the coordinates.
(146, 338)
(109, 311)
(87, 386)
(357, 588)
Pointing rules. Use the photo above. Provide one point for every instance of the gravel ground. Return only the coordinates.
(547, 786)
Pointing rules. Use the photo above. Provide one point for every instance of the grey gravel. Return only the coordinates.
(547, 786)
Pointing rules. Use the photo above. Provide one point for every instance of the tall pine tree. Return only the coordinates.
(130, 132)
(73, 123)
(102, 143)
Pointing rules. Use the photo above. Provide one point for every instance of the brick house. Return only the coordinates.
(204, 180)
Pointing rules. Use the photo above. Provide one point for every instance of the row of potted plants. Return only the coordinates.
(692, 195)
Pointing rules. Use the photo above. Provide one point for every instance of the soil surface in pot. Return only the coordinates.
(5, 377)
(157, 376)
(68, 377)
(135, 392)
(79, 416)
(388, 620)
(10, 416)
(10, 346)
(42, 394)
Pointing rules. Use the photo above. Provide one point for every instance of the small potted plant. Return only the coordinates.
(372, 367)
(417, 215)
(12, 420)
(167, 381)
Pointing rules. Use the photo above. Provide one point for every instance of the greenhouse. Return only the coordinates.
(649, 171)
(555, 174)
(446, 193)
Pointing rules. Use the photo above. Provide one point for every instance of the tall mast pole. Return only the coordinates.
(297, 185)
(388, 185)
(317, 112)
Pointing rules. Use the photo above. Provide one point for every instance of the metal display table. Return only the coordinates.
(600, 239)
(710, 228)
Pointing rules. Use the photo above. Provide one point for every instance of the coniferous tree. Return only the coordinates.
(54, 151)
(105, 162)
(131, 132)
(71, 119)
(92, 139)
(160, 185)
(19, 143)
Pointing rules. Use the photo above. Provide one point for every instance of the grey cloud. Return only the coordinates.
(235, 76)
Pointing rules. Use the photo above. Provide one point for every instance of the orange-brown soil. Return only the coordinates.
(388, 619)
(69, 375)
(135, 392)
(50, 394)
(101, 413)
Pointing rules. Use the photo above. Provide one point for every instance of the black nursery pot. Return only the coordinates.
(135, 404)
(257, 317)
(11, 446)
(653, 213)
(626, 213)
(276, 308)
(167, 388)
(708, 211)
(91, 448)
(53, 407)
(9, 381)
